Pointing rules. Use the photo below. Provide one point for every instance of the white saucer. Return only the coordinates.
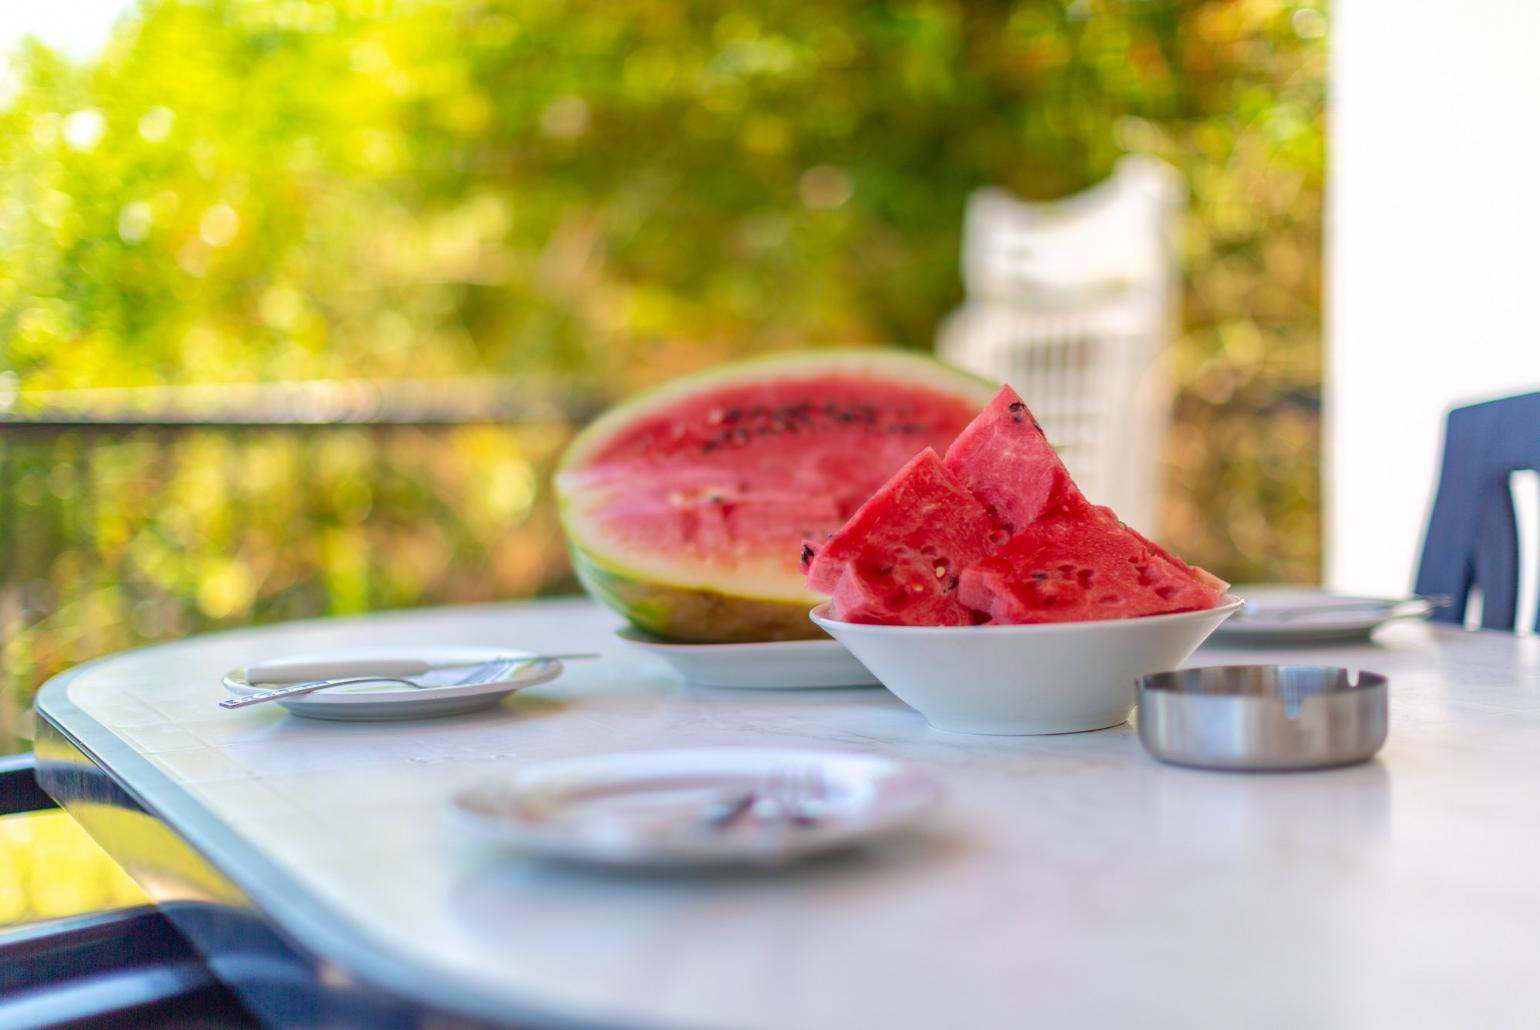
(646, 809)
(386, 700)
(1268, 616)
(797, 664)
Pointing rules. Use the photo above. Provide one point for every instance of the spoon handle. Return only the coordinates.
(333, 668)
(287, 671)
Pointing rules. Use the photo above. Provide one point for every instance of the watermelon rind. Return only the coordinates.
(695, 616)
(733, 603)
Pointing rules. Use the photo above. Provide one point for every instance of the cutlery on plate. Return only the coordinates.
(388, 668)
(1394, 608)
(486, 672)
(796, 795)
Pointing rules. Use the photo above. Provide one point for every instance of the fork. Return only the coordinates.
(488, 672)
(791, 794)
(794, 794)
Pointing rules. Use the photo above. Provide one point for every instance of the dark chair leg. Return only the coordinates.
(19, 791)
(127, 968)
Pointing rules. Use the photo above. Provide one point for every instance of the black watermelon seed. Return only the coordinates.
(1018, 406)
(1040, 575)
(807, 554)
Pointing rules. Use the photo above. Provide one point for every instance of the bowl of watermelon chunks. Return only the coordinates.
(985, 591)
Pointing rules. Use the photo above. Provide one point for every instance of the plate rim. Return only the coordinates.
(639, 853)
(1378, 611)
(797, 661)
(641, 638)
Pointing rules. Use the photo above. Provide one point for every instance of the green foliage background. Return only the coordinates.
(595, 196)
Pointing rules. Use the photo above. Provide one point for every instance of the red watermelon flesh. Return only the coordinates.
(900, 597)
(1081, 563)
(1006, 460)
(1203, 576)
(898, 558)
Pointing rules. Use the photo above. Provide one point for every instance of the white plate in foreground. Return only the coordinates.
(1304, 615)
(449, 691)
(649, 809)
(773, 664)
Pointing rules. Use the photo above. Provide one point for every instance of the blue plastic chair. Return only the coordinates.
(1472, 539)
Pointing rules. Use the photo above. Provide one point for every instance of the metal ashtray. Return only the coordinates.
(1263, 717)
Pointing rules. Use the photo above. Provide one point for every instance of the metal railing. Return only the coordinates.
(136, 515)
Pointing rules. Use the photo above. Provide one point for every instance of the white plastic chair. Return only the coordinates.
(1072, 302)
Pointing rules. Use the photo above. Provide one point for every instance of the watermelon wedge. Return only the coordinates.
(899, 557)
(686, 508)
(1080, 563)
(1205, 578)
(1006, 460)
(1029, 548)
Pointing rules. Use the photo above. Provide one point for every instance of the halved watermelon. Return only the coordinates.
(898, 558)
(686, 508)
(1078, 563)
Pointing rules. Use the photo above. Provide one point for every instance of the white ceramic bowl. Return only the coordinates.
(1048, 678)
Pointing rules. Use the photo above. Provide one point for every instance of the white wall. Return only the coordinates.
(1433, 255)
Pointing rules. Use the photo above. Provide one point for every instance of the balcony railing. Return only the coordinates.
(131, 516)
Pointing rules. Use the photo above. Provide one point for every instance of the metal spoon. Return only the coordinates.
(485, 672)
(302, 671)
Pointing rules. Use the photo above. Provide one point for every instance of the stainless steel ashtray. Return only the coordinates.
(1263, 717)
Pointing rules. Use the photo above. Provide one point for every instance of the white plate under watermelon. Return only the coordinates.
(778, 664)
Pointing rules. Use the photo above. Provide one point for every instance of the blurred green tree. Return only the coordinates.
(249, 189)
